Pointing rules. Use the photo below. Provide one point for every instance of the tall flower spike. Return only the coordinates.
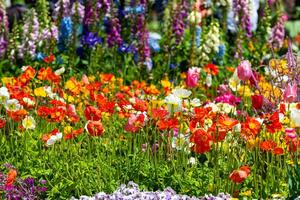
(278, 33)
(114, 37)
(30, 36)
(3, 30)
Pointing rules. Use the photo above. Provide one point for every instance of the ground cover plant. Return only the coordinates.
(139, 99)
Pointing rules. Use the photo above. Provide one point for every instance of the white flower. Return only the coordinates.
(49, 92)
(234, 81)
(208, 80)
(181, 93)
(260, 120)
(28, 101)
(51, 140)
(179, 142)
(12, 105)
(24, 68)
(4, 94)
(213, 106)
(28, 122)
(58, 136)
(174, 103)
(54, 138)
(195, 102)
(192, 161)
(60, 71)
(295, 117)
(226, 108)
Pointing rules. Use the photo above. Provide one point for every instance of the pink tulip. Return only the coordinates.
(244, 70)
(192, 77)
(290, 93)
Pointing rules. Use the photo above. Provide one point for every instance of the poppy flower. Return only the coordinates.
(11, 177)
(238, 176)
(171, 123)
(49, 59)
(268, 145)
(278, 151)
(58, 114)
(211, 69)
(2, 123)
(202, 141)
(94, 128)
(272, 122)
(250, 128)
(159, 113)
(92, 113)
(73, 134)
(52, 137)
(17, 115)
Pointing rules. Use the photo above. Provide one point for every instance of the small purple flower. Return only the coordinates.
(91, 39)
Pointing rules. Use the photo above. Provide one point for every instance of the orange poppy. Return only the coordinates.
(211, 69)
(250, 128)
(11, 177)
(268, 145)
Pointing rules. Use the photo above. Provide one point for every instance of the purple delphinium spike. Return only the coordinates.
(113, 36)
(278, 33)
(3, 30)
(103, 5)
(179, 17)
(242, 10)
(88, 14)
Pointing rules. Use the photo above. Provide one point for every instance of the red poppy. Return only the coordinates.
(44, 111)
(159, 113)
(92, 113)
(95, 128)
(2, 123)
(201, 140)
(49, 59)
(272, 122)
(268, 145)
(238, 176)
(171, 123)
(278, 151)
(140, 105)
(73, 134)
(257, 101)
(211, 69)
(17, 115)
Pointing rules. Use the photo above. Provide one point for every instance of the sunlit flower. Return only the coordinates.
(181, 93)
(174, 103)
(195, 102)
(180, 142)
(60, 71)
(28, 122)
(295, 117)
(12, 105)
(4, 94)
